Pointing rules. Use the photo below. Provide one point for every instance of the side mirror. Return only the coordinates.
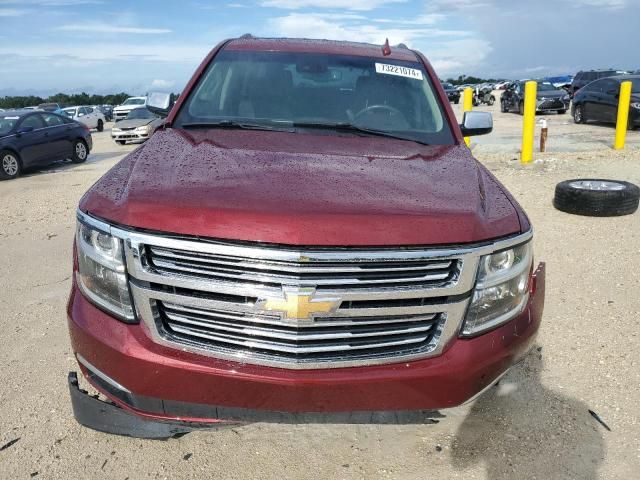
(81, 114)
(160, 103)
(476, 123)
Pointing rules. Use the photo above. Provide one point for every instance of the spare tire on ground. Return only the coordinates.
(596, 197)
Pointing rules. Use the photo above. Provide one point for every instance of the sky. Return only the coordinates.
(49, 46)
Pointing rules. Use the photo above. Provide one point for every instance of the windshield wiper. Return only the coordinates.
(228, 124)
(350, 127)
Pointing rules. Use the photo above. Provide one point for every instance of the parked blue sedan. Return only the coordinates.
(31, 138)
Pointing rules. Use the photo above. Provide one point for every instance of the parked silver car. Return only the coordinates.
(137, 126)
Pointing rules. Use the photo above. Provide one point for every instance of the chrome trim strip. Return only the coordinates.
(100, 374)
(487, 388)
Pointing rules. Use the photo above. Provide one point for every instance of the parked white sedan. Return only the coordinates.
(90, 116)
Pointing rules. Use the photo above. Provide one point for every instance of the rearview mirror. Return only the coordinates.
(476, 123)
(160, 103)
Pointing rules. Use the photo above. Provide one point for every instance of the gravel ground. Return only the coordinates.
(535, 425)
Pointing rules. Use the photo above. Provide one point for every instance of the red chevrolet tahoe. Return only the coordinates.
(307, 236)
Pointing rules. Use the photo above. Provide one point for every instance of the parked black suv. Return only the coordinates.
(599, 101)
(452, 92)
(582, 78)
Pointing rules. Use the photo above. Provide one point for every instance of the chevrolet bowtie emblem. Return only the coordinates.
(299, 305)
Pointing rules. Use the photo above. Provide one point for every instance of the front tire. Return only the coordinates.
(120, 142)
(578, 114)
(80, 151)
(521, 108)
(10, 166)
(100, 126)
(492, 100)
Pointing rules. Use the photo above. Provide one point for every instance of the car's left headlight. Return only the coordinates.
(502, 289)
(102, 276)
(636, 106)
(144, 129)
(566, 98)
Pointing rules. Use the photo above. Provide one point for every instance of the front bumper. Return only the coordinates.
(128, 136)
(159, 384)
(89, 140)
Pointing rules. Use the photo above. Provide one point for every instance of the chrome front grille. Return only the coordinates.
(306, 273)
(327, 338)
(299, 308)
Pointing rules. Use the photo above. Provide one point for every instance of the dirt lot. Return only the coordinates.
(535, 425)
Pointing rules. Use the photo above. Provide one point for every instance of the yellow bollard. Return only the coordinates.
(467, 106)
(623, 115)
(529, 121)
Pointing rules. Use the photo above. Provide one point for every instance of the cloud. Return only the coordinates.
(52, 3)
(99, 52)
(362, 5)
(162, 84)
(12, 12)
(325, 26)
(611, 4)
(107, 28)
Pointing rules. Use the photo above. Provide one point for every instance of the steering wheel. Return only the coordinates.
(371, 108)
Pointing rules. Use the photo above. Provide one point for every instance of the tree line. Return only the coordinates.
(464, 80)
(63, 99)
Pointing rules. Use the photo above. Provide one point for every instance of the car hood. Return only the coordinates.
(133, 123)
(304, 189)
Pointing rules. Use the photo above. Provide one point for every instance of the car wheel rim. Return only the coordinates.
(578, 114)
(10, 165)
(600, 185)
(81, 151)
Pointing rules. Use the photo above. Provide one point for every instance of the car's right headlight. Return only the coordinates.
(502, 289)
(636, 106)
(102, 276)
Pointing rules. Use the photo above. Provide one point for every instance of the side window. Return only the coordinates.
(88, 109)
(82, 111)
(32, 121)
(595, 87)
(52, 120)
(609, 86)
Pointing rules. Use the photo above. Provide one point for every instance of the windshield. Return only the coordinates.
(140, 113)
(635, 85)
(7, 122)
(283, 89)
(69, 112)
(134, 101)
(546, 87)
